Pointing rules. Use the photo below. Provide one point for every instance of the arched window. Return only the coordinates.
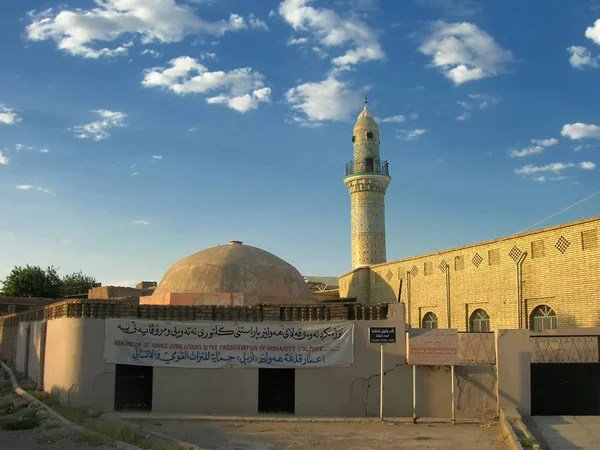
(479, 321)
(430, 320)
(542, 318)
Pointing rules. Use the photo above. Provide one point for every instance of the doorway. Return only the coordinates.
(276, 391)
(571, 389)
(133, 388)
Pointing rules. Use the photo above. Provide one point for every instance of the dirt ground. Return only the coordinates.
(265, 435)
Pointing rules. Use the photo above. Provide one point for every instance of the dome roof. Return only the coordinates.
(235, 269)
(366, 119)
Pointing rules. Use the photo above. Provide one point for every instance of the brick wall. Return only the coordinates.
(561, 269)
(102, 309)
(9, 305)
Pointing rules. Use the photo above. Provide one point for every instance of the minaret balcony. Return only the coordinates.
(367, 166)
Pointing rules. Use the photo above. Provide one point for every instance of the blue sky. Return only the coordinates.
(136, 132)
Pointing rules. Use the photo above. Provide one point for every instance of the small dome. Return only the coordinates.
(366, 119)
(236, 269)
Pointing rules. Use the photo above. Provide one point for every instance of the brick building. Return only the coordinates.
(544, 279)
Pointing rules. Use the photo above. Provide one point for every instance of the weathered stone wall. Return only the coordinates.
(10, 305)
(109, 292)
(561, 269)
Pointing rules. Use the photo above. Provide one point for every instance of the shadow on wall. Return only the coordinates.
(381, 291)
(8, 343)
(369, 287)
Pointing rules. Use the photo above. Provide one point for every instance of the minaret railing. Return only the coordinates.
(367, 165)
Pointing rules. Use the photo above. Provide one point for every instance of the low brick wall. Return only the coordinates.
(103, 309)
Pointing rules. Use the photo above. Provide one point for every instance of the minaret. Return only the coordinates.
(367, 178)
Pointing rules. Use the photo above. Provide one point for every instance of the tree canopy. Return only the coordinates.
(33, 281)
(76, 283)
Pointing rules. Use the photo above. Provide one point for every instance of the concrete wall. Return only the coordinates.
(35, 353)
(74, 369)
(513, 353)
(22, 357)
(76, 372)
(484, 276)
(205, 391)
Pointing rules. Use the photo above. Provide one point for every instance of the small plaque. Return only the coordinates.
(382, 335)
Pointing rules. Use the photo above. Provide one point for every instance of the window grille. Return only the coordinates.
(480, 321)
(430, 320)
(542, 318)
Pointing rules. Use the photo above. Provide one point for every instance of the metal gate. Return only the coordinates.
(133, 388)
(565, 376)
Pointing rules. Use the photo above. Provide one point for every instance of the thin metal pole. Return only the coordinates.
(381, 388)
(414, 394)
(453, 398)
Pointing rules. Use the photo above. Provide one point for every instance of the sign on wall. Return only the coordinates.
(382, 335)
(433, 347)
(228, 344)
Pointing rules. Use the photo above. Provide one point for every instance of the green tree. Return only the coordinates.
(76, 283)
(32, 281)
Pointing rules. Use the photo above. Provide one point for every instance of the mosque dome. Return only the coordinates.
(250, 274)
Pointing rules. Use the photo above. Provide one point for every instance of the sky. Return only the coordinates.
(136, 132)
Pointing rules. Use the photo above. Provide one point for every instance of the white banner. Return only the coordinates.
(228, 344)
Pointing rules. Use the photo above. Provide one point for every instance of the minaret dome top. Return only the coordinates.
(365, 118)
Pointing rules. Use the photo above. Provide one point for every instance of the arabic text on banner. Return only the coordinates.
(228, 344)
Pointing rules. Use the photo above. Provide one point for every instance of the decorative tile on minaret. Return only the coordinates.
(367, 178)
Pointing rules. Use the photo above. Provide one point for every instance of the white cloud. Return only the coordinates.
(530, 169)
(581, 57)
(542, 179)
(330, 99)
(27, 187)
(587, 165)
(153, 53)
(555, 168)
(156, 157)
(141, 222)
(582, 146)
(98, 130)
(464, 52)
(133, 174)
(545, 142)
(297, 41)
(19, 147)
(84, 32)
(7, 116)
(257, 24)
(3, 159)
(464, 116)
(332, 30)
(208, 55)
(411, 135)
(394, 119)
(240, 89)
(320, 52)
(484, 100)
(580, 131)
(539, 145)
(593, 32)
